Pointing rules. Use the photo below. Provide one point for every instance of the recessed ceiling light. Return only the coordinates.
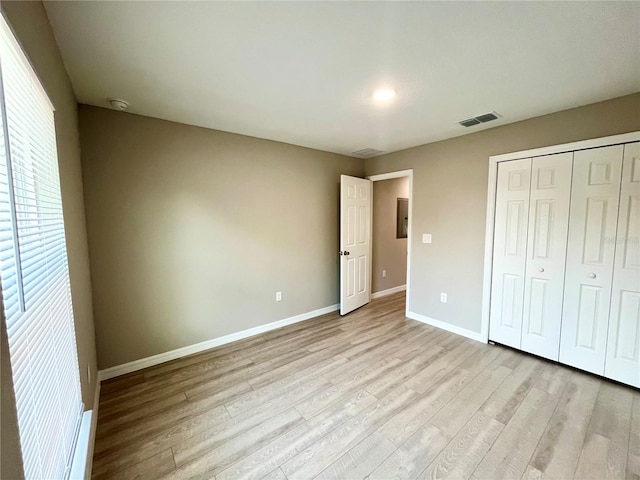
(384, 94)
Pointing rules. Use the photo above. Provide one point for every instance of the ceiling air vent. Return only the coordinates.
(470, 122)
(485, 117)
(367, 152)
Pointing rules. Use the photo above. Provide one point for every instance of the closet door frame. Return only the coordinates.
(491, 203)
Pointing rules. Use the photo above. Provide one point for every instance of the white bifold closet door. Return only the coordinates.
(623, 346)
(590, 255)
(509, 251)
(546, 254)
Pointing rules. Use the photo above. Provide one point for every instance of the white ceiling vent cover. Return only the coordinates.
(367, 152)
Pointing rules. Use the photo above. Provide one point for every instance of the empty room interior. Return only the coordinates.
(320, 240)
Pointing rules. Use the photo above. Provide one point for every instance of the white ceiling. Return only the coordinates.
(304, 73)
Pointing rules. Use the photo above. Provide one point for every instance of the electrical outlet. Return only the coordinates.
(278, 296)
(443, 297)
(426, 238)
(384, 273)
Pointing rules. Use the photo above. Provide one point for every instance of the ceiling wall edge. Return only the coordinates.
(502, 125)
(383, 156)
(218, 130)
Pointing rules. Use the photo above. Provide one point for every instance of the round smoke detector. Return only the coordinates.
(118, 104)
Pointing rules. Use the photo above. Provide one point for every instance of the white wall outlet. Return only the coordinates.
(443, 297)
(278, 296)
(384, 273)
(426, 238)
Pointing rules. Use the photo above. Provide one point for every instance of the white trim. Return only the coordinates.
(389, 291)
(83, 456)
(570, 147)
(208, 344)
(446, 326)
(92, 433)
(81, 453)
(491, 202)
(488, 248)
(389, 176)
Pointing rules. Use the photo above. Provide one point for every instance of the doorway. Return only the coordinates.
(391, 233)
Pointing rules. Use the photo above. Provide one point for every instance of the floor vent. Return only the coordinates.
(367, 152)
(485, 117)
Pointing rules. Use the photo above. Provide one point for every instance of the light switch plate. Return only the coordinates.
(426, 238)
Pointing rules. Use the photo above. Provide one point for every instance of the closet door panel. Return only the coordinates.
(546, 254)
(591, 247)
(509, 252)
(623, 346)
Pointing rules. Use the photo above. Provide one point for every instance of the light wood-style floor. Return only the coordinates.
(370, 395)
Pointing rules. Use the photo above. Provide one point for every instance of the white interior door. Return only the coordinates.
(355, 243)
(623, 349)
(590, 254)
(546, 254)
(509, 252)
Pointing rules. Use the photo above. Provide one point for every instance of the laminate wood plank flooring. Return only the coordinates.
(370, 395)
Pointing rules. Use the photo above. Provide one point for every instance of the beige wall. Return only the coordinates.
(192, 231)
(450, 196)
(389, 252)
(30, 24)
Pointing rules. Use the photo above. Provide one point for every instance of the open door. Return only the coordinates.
(355, 243)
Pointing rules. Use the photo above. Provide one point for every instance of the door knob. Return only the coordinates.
(541, 269)
(592, 275)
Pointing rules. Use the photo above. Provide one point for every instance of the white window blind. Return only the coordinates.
(34, 271)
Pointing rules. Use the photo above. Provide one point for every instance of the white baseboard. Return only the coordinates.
(388, 291)
(206, 345)
(447, 326)
(83, 456)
